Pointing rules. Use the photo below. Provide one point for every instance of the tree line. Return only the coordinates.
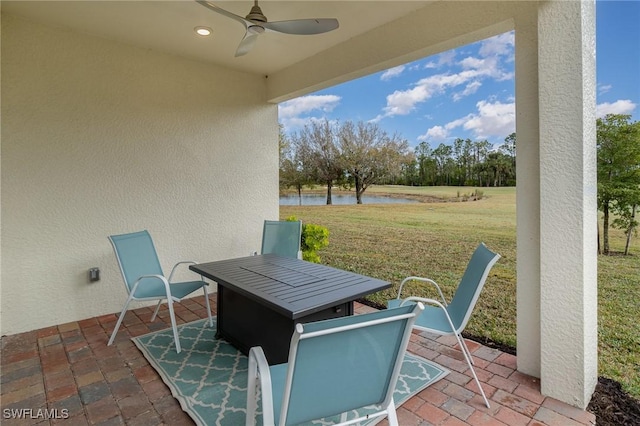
(358, 155)
(465, 163)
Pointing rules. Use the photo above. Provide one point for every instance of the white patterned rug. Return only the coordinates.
(209, 376)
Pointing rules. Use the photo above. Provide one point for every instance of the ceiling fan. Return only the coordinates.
(256, 23)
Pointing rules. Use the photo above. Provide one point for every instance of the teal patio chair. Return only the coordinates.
(144, 279)
(451, 319)
(334, 366)
(282, 238)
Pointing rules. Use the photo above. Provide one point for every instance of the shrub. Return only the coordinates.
(314, 238)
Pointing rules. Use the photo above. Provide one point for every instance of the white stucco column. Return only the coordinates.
(568, 233)
(528, 195)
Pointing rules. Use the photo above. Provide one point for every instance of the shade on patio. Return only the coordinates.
(115, 116)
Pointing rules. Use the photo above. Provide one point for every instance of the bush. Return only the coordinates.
(314, 238)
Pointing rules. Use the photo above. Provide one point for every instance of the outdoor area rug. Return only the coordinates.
(209, 376)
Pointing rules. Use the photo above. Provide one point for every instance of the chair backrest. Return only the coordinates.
(281, 238)
(346, 363)
(466, 296)
(137, 256)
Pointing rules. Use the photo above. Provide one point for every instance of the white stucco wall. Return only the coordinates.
(101, 138)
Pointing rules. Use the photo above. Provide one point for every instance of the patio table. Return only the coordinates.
(261, 298)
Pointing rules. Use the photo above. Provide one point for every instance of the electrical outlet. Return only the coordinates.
(94, 274)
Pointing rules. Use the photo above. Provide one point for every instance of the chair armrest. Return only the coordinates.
(431, 302)
(425, 280)
(159, 277)
(259, 367)
(184, 262)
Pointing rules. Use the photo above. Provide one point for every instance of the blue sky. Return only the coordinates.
(469, 92)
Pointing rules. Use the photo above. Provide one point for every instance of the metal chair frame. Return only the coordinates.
(152, 284)
(309, 378)
(458, 312)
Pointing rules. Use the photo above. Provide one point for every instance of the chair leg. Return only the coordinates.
(153, 317)
(259, 373)
(173, 324)
(120, 318)
(469, 362)
(466, 348)
(206, 298)
(252, 382)
(392, 416)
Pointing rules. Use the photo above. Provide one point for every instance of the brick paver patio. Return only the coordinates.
(69, 371)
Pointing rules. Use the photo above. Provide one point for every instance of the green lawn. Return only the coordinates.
(392, 241)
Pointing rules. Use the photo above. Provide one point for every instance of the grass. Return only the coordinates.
(393, 241)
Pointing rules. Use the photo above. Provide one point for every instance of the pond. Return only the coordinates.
(342, 199)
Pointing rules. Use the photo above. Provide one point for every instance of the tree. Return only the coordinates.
(293, 172)
(508, 148)
(370, 155)
(481, 152)
(497, 167)
(410, 176)
(318, 150)
(618, 150)
(444, 163)
(463, 156)
(625, 211)
(427, 166)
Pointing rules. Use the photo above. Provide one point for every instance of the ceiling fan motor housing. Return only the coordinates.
(255, 29)
(256, 14)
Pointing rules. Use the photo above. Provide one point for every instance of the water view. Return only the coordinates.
(321, 199)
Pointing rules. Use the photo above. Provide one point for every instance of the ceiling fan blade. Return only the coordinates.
(246, 44)
(303, 26)
(221, 11)
(256, 23)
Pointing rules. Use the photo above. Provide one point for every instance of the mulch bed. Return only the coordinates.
(611, 405)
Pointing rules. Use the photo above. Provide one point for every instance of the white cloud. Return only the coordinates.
(491, 119)
(441, 133)
(294, 114)
(435, 133)
(306, 104)
(474, 70)
(603, 88)
(459, 122)
(444, 58)
(501, 45)
(488, 67)
(392, 72)
(470, 89)
(471, 62)
(623, 106)
(403, 102)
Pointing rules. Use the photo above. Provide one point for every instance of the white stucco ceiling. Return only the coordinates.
(168, 26)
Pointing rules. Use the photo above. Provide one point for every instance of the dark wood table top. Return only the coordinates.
(295, 288)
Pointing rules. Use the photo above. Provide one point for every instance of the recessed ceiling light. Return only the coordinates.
(203, 31)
